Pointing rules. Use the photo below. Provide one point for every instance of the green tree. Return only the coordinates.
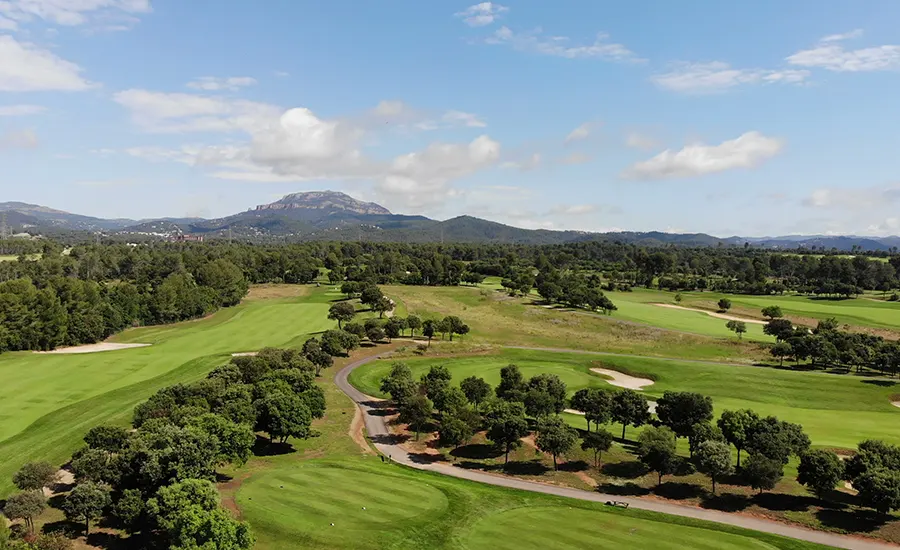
(399, 384)
(189, 514)
(781, 329)
(375, 334)
(724, 304)
(681, 411)
(107, 438)
(94, 465)
(414, 323)
(879, 489)
(370, 295)
(235, 440)
(714, 459)
(737, 327)
(595, 404)
(26, 506)
(86, 503)
(735, 426)
(436, 380)
(781, 350)
(428, 330)
(776, 439)
(34, 476)
(820, 470)
(656, 450)
(283, 415)
(772, 312)
(762, 473)
(342, 312)
(597, 442)
(629, 407)
(506, 426)
(554, 436)
(131, 510)
(475, 389)
(703, 432)
(416, 412)
(394, 328)
(545, 394)
(225, 279)
(512, 384)
(454, 431)
(450, 400)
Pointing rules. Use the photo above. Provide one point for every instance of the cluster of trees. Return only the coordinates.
(156, 480)
(572, 290)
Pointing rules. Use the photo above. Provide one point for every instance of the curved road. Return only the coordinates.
(381, 436)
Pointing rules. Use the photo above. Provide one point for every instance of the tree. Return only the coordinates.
(283, 415)
(781, 350)
(714, 459)
(86, 502)
(781, 329)
(131, 510)
(776, 439)
(762, 473)
(375, 334)
(737, 327)
(370, 295)
(772, 312)
(320, 358)
(342, 312)
(26, 506)
(450, 399)
(394, 328)
(735, 426)
(235, 440)
(454, 431)
(436, 380)
(703, 432)
(454, 325)
(338, 342)
(681, 411)
(598, 442)
(545, 394)
(724, 304)
(107, 438)
(820, 470)
(416, 412)
(475, 389)
(594, 403)
(554, 436)
(34, 476)
(190, 515)
(399, 384)
(93, 465)
(512, 384)
(506, 426)
(384, 304)
(414, 323)
(656, 450)
(629, 407)
(428, 330)
(879, 489)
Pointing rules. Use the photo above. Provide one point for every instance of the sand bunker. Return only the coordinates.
(715, 314)
(624, 380)
(245, 354)
(895, 403)
(651, 408)
(94, 348)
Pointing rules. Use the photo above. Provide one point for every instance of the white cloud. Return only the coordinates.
(636, 140)
(459, 118)
(524, 164)
(179, 113)
(856, 199)
(704, 78)
(829, 54)
(27, 68)
(560, 46)
(580, 133)
(404, 116)
(747, 151)
(212, 84)
(19, 139)
(21, 110)
(573, 210)
(482, 14)
(72, 12)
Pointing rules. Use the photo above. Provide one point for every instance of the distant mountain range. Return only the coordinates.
(330, 215)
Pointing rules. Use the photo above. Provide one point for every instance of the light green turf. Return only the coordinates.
(563, 527)
(835, 410)
(48, 402)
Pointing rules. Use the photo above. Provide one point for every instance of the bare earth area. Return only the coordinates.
(94, 348)
(623, 380)
(715, 314)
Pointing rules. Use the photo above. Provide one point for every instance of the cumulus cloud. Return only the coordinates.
(180, 113)
(113, 14)
(747, 151)
(19, 139)
(860, 199)
(715, 77)
(28, 68)
(213, 84)
(21, 110)
(831, 55)
(402, 115)
(481, 14)
(562, 46)
(580, 133)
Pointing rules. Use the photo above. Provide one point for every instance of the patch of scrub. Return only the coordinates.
(623, 380)
(93, 348)
(715, 314)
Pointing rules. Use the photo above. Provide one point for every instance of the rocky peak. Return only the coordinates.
(332, 201)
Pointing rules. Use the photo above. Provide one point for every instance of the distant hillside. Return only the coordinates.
(61, 220)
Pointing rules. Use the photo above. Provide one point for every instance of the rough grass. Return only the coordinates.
(48, 402)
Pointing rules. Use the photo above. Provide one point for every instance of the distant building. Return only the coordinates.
(182, 238)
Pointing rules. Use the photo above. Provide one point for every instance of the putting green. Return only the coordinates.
(562, 527)
(48, 402)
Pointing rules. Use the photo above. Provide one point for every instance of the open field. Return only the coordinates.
(48, 401)
(835, 410)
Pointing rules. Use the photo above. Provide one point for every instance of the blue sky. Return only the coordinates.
(757, 118)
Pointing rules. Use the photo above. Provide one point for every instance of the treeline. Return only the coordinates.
(517, 407)
(156, 481)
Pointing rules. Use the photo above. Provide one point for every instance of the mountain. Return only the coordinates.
(330, 215)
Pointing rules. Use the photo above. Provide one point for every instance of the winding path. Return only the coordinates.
(384, 441)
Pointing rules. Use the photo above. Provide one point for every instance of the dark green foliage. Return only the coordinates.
(399, 384)
(416, 411)
(597, 442)
(506, 425)
(283, 415)
(820, 470)
(86, 503)
(475, 389)
(554, 436)
(629, 407)
(130, 510)
(34, 476)
(762, 473)
(26, 506)
(681, 411)
(338, 342)
(736, 426)
(454, 431)
(713, 458)
(106, 438)
(545, 394)
(342, 312)
(703, 432)
(512, 385)
(776, 439)
(595, 404)
(656, 449)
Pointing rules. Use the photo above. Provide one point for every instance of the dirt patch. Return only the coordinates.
(587, 479)
(573, 411)
(623, 380)
(715, 314)
(93, 348)
(357, 431)
(273, 291)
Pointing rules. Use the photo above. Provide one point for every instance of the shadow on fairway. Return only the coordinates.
(264, 447)
(881, 383)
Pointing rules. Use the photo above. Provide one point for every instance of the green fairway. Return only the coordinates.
(835, 410)
(562, 527)
(48, 402)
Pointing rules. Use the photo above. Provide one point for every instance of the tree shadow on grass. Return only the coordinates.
(627, 490)
(264, 447)
(881, 383)
(781, 502)
(514, 467)
(425, 458)
(628, 470)
(676, 490)
(64, 527)
(726, 502)
(574, 466)
(477, 451)
(859, 521)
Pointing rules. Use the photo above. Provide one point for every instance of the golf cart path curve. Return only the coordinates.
(381, 436)
(724, 316)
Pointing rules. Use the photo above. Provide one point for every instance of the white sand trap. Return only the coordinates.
(94, 348)
(715, 314)
(245, 354)
(895, 403)
(624, 380)
(651, 407)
